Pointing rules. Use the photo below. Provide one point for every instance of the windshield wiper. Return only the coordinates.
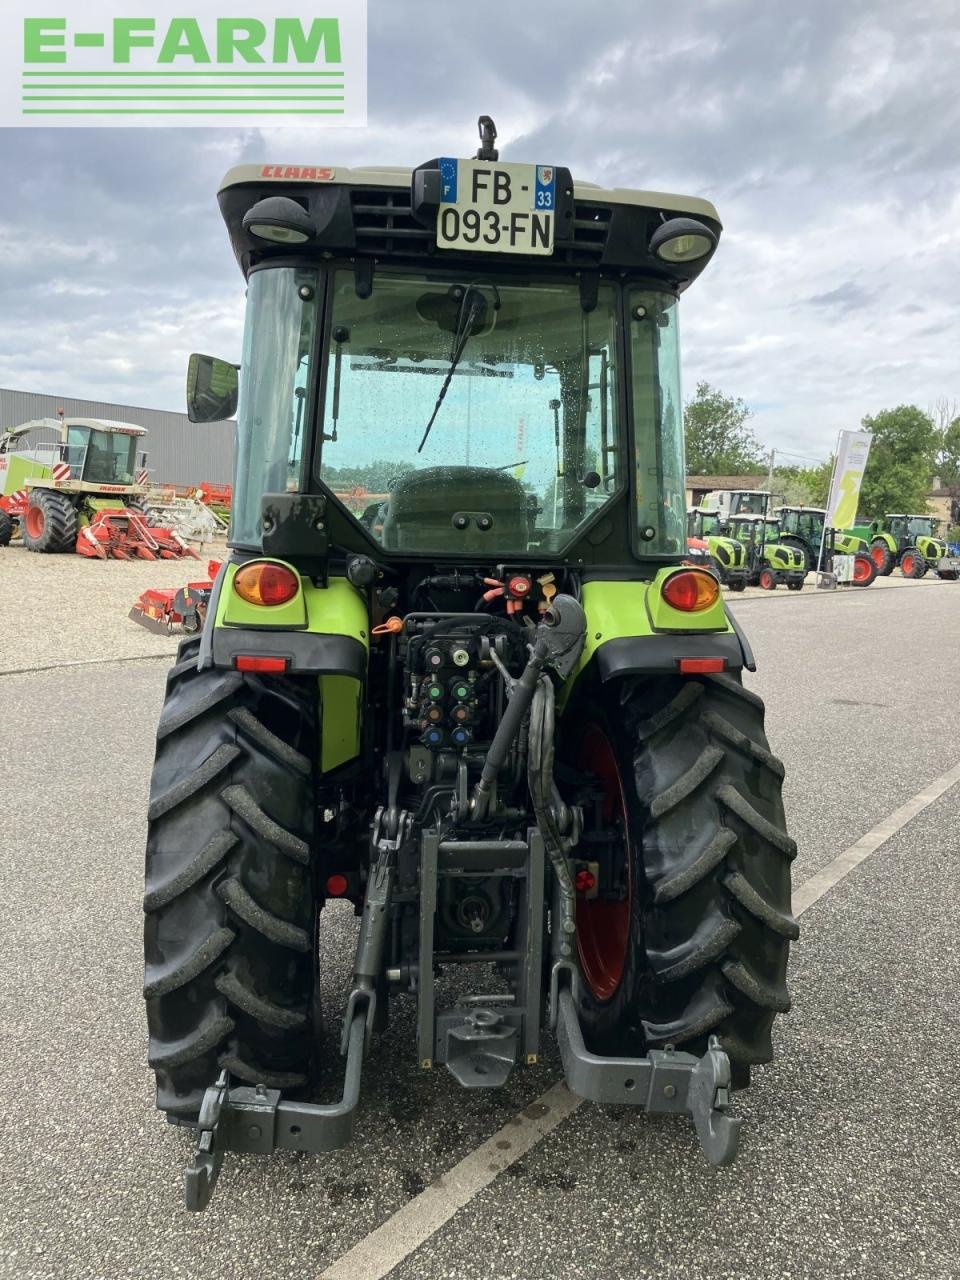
(473, 307)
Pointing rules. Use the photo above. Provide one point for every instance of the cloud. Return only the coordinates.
(828, 136)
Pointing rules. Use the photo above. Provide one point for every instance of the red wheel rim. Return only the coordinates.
(907, 565)
(603, 927)
(879, 556)
(861, 569)
(766, 579)
(35, 521)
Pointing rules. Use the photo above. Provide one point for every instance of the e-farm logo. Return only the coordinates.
(126, 62)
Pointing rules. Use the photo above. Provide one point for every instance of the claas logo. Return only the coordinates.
(225, 40)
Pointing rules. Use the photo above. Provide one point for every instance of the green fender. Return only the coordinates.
(322, 630)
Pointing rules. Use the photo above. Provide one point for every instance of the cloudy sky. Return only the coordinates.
(827, 134)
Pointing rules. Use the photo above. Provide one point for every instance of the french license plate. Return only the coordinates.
(488, 207)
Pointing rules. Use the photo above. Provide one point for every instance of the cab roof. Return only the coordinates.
(389, 176)
(372, 215)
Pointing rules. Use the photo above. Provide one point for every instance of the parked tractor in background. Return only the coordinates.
(909, 541)
(502, 718)
(76, 484)
(705, 542)
(769, 561)
(803, 529)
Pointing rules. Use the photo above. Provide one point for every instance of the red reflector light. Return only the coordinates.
(585, 881)
(691, 590)
(265, 583)
(251, 662)
(695, 666)
(337, 886)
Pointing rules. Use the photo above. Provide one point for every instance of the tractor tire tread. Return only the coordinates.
(184, 971)
(666, 889)
(731, 799)
(238, 993)
(246, 720)
(694, 952)
(194, 701)
(206, 1036)
(210, 856)
(195, 781)
(235, 894)
(239, 799)
(731, 735)
(687, 783)
(753, 901)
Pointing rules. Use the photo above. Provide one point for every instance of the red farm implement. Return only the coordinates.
(166, 611)
(126, 534)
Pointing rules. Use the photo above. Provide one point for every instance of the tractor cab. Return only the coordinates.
(803, 522)
(501, 382)
(702, 522)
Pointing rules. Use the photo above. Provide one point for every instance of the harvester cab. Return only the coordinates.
(803, 530)
(707, 544)
(911, 542)
(80, 484)
(486, 702)
(730, 503)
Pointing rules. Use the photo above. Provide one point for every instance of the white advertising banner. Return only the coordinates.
(853, 449)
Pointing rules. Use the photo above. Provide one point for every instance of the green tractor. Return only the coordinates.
(769, 560)
(501, 718)
(911, 543)
(707, 545)
(803, 529)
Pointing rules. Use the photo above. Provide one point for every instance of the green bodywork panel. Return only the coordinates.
(848, 543)
(736, 552)
(784, 558)
(19, 470)
(620, 609)
(336, 609)
(931, 549)
(340, 717)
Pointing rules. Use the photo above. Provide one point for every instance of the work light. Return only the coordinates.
(280, 220)
(682, 240)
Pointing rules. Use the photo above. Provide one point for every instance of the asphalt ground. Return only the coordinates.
(849, 1164)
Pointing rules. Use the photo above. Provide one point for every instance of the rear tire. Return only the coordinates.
(882, 557)
(707, 858)
(6, 528)
(229, 934)
(50, 522)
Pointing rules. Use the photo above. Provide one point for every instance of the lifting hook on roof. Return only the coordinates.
(488, 136)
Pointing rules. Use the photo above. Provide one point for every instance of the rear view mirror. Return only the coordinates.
(212, 388)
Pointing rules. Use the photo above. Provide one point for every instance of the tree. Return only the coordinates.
(803, 486)
(719, 442)
(948, 457)
(903, 454)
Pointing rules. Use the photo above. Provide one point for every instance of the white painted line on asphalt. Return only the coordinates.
(813, 889)
(394, 1240)
(424, 1215)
